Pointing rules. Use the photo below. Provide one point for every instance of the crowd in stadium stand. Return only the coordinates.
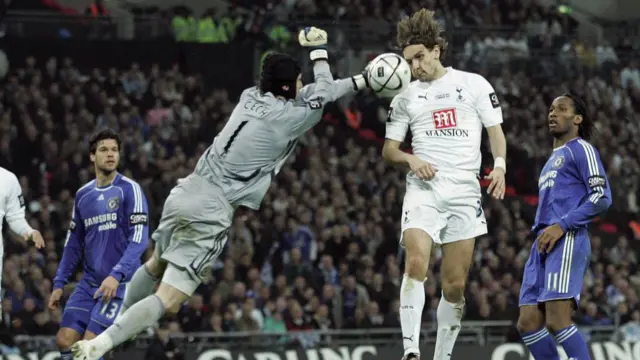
(322, 253)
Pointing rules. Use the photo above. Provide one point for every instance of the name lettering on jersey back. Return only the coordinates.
(446, 122)
(255, 107)
(547, 180)
(104, 221)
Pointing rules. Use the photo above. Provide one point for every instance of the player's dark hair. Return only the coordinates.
(585, 129)
(104, 134)
(421, 28)
(279, 75)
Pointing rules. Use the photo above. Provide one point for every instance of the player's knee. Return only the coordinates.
(155, 266)
(66, 338)
(171, 298)
(171, 306)
(558, 315)
(416, 266)
(530, 319)
(527, 324)
(453, 289)
(418, 249)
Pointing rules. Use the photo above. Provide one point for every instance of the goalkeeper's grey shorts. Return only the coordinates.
(192, 232)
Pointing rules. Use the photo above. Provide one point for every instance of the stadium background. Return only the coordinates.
(316, 270)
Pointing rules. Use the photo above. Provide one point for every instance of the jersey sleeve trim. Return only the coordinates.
(596, 181)
(138, 217)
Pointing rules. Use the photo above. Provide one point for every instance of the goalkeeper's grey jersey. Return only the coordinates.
(261, 134)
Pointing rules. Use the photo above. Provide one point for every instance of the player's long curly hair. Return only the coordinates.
(421, 28)
(585, 129)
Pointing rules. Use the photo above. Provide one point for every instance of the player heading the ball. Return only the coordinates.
(446, 110)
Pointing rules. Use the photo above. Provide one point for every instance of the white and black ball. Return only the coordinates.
(389, 75)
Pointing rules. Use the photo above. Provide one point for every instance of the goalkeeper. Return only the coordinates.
(236, 170)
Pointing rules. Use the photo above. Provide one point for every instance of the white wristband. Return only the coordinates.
(318, 54)
(359, 82)
(501, 163)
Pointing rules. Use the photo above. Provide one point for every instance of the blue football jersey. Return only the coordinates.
(573, 187)
(108, 232)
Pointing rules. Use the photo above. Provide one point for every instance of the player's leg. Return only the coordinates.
(147, 277)
(465, 222)
(197, 239)
(75, 319)
(457, 258)
(144, 281)
(89, 335)
(531, 321)
(142, 315)
(420, 222)
(566, 265)
(417, 245)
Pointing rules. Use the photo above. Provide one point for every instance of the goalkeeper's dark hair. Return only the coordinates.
(585, 129)
(279, 75)
(105, 134)
(421, 28)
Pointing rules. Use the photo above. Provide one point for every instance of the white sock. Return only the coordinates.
(449, 316)
(102, 343)
(412, 296)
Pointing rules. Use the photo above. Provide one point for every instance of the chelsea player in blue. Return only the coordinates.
(108, 234)
(573, 189)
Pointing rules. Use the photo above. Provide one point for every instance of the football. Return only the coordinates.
(389, 75)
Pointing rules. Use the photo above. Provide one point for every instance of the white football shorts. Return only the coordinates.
(447, 207)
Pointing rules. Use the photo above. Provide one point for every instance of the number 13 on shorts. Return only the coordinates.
(106, 312)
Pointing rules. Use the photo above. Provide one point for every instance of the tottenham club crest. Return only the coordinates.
(460, 98)
(558, 162)
(113, 204)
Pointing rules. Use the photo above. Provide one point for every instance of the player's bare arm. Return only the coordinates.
(392, 153)
(15, 213)
(498, 143)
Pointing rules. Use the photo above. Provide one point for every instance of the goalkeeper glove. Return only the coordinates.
(316, 40)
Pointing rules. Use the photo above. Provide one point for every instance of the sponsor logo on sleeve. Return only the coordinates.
(597, 181)
(72, 225)
(494, 100)
(138, 219)
(314, 104)
(21, 200)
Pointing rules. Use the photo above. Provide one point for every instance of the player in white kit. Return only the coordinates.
(236, 170)
(445, 110)
(12, 209)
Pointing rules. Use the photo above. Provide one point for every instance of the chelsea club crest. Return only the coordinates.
(113, 203)
(558, 162)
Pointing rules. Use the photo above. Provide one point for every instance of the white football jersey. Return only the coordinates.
(445, 118)
(11, 200)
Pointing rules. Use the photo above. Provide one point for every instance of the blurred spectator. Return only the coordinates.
(163, 347)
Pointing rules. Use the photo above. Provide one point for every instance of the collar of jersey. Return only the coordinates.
(108, 185)
(574, 139)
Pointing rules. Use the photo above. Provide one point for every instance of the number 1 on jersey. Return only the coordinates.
(233, 137)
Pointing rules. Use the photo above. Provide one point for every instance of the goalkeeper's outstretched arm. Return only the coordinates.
(307, 110)
(324, 86)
